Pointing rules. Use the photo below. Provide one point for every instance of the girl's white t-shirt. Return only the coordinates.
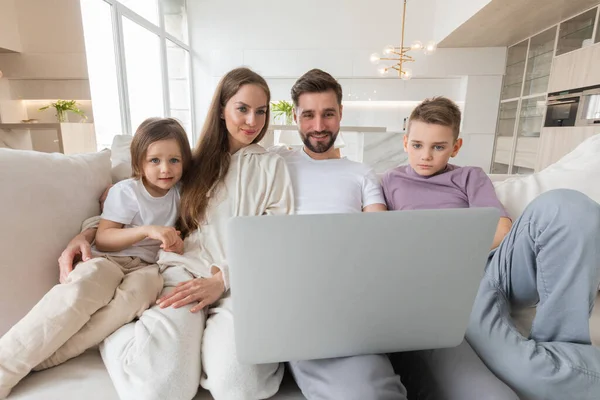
(130, 204)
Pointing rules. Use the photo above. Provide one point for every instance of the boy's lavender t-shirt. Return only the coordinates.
(454, 187)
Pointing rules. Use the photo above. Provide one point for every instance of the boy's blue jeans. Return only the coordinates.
(551, 258)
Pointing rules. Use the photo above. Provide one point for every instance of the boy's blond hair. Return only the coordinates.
(437, 110)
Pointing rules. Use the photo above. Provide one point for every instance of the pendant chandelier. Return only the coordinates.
(399, 54)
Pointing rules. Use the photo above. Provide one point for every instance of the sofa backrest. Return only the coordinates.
(578, 170)
(45, 197)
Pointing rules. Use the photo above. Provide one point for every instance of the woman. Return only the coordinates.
(187, 339)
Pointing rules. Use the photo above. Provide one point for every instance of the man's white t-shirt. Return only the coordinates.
(330, 186)
(130, 204)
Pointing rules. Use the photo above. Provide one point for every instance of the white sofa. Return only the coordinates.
(46, 196)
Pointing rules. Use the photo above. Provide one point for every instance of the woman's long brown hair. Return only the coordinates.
(211, 158)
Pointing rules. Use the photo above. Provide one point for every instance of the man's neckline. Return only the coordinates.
(305, 154)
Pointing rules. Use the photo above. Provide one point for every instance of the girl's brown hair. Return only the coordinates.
(211, 158)
(152, 130)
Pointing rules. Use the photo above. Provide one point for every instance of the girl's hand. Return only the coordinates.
(176, 248)
(205, 291)
(167, 235)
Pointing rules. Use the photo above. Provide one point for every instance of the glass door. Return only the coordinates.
(528, 134)
(576, 32)
(515, 67)
(539, 61)
(505, 130)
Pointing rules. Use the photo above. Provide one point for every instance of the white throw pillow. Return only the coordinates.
(121, 157)
(579, 170)
(45, 198)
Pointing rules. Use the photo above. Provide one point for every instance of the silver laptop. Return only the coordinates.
(320, 286)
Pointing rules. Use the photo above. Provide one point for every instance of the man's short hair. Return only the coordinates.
(316, 81)
(440, 111)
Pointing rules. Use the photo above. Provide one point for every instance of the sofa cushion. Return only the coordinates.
(577, 170)
(45, 197)
(121, 157)
(85, 377)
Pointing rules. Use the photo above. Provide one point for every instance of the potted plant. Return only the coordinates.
(283, 108)
(62, 107)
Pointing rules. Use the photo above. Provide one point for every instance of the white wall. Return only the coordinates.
(52, 61)
(480, 115)
(9, 32)
(450, 14)
(51, 41)
(283, 40)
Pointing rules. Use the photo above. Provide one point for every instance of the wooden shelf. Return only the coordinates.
(69, 137)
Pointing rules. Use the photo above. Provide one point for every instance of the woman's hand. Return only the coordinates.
(205, 291)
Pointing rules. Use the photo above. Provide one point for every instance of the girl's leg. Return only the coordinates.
(136, 293)
(57, 317)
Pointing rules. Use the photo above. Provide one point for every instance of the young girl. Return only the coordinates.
(122, 279)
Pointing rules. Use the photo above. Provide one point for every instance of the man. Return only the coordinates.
(325, 183)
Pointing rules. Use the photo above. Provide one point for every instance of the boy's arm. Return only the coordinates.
(502, 230)
(481, 193)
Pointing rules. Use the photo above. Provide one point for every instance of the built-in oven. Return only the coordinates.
(590, 107)
(562, 108)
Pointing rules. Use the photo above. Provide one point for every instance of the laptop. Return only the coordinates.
(321, 286)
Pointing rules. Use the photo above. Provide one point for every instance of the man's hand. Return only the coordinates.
(168, 236)
(78, 249)
(103, 197)
(205, 291)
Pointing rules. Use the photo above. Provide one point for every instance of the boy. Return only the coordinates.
(430, 182)
(548, 258)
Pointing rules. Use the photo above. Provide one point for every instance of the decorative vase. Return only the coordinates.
(62, 116)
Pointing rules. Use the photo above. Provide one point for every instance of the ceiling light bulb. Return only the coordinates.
(417, 45)
(375, 58)
(389, 49)
(431, 47)
(383, 71)
(406, 74)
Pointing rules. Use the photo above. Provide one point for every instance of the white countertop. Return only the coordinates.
(342, 128)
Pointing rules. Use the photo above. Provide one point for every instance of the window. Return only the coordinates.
(102, 67)
(144, 81)
(138, 63)
(179, 84)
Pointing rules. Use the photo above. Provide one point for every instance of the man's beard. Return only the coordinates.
(320, 147)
